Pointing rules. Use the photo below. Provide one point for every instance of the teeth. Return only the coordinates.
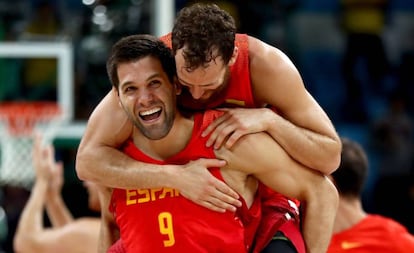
(149, 112)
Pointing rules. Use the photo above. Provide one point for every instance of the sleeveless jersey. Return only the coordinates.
(238, 93)
(374, 233)
(162, 220)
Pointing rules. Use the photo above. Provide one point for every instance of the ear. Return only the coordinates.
(116, 93)
(177, 86)
(234, 56)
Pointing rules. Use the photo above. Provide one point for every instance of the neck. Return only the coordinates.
(175, 141)
(349, 213)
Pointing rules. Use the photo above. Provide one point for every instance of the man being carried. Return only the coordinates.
(142, 71)
(218, 67)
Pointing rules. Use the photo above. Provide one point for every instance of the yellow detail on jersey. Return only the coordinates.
(350, 245)
(139, 196)
(235, 102)
(166, 228)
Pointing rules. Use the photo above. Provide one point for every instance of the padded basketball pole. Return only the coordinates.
(163, 17)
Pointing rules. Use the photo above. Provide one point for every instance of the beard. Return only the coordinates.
(216, 97)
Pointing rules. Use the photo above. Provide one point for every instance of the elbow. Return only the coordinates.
(324, 195)
(22, 243)
(18, 244)
(331, 164)
(335, 158)
(81, 166)
(331, 192)
(332, 159)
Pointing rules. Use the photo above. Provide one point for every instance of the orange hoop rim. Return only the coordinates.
(22, 116)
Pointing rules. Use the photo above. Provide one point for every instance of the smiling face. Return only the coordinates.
(147, 96)
(204, 83)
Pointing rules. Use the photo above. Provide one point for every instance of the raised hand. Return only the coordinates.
(42, 159)
(197, 184)
(56, 180)
(235, 123)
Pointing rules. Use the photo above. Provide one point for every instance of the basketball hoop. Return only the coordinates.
(18, 122)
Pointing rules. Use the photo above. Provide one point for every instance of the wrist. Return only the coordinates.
(172, 176)
(54, 197)
(270, 121)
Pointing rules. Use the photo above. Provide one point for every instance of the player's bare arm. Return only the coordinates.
(74, 237)
(259, 155)
(57, 211)
(31, 235)
(109, 231)
(98, 160)
(302, 127)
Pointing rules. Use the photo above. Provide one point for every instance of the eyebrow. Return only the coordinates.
(149, 78)
(190, 84)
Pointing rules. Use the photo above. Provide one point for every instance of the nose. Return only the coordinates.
(196, 92)
(145, 97)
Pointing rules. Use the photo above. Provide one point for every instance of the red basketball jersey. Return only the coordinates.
(162, 220)
(373, 234)
(238, 93)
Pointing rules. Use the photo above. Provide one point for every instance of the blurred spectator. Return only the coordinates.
(363, 22)
(356, 231)
(393, 144)
(66, 234)
(393, 138)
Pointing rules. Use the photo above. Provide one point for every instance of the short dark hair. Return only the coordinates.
(350, 177)
(202, 29)
(135, 47)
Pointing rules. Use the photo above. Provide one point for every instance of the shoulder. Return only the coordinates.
(262, 54)
(272, 72)
(389, 224)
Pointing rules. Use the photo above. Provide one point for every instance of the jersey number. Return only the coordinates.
(166, 228)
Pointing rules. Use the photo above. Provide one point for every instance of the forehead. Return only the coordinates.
(202, 75)
(140, 70)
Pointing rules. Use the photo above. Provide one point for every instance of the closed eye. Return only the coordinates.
(155, 83)
(129, 89)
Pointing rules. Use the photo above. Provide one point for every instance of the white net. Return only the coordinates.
(17, 127)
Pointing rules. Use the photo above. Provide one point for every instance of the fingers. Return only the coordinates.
(227, 125)
(226, 194)
(210, 163)
(204, 189)
(221, 204)
(213, 125)
(222, 197)
(225, 128)
(234, 137)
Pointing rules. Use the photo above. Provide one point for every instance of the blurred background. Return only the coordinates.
(356, 58)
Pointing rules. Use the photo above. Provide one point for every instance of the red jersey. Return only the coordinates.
(373, 234)
(238, 93)
(162, 220)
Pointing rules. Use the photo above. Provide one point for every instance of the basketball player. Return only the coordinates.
(66, 234)
(142, 71)
(229, 70)
(355, 231)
